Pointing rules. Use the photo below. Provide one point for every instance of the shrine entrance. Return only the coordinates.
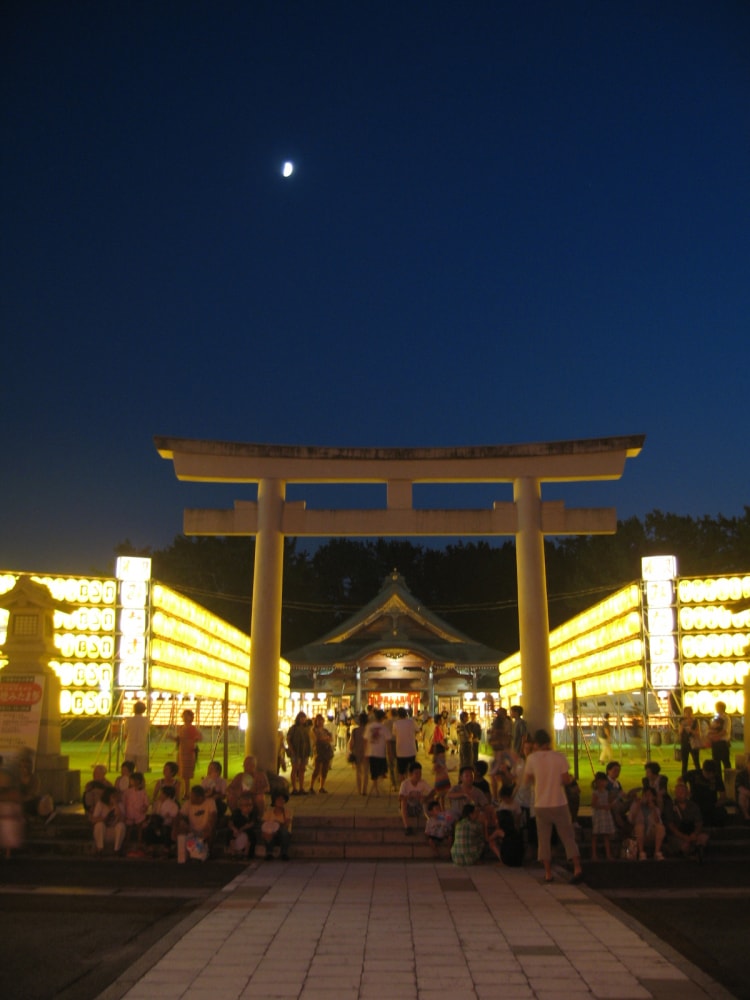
(394, 652)
(270, 518)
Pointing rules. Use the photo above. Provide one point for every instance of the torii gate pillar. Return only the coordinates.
(533, 618)
(265, 626)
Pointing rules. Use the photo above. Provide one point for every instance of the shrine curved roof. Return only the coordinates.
(415, 629)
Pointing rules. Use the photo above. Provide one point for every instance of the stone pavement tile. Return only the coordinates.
(557, 988)
(527, 940)
(321, 993)
(580, 944)
(485, 977)
(448, 984)
(557, 964)
(394, 991)
(221, 978)
(444, 957)
(141, 992)
(183, 963)
(397, 992)
(663, 990)
(277, 974)
(271, 990)
(654, 971)
(508, 993)
(592, 970)
(235, 959)
(377, 966)
(385, 977)
(563, 978)
(613, 989)
(159, 974)
(331, 963)
(428, 993)
(337, 984)
(207, 993)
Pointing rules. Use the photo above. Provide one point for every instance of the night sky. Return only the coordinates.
(508, 222)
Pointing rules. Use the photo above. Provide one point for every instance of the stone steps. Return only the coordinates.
(356, 838)
(313, 837)
(335, 836)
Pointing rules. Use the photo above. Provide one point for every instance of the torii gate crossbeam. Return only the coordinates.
(270, 518)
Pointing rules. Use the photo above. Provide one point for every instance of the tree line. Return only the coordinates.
(472, 585)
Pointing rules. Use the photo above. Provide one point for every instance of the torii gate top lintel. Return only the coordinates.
(551, 461)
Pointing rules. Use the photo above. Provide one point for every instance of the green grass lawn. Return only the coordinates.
(631, 761)
(85, 754)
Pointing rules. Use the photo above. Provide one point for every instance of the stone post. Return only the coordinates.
(265, 630)
(533, 618)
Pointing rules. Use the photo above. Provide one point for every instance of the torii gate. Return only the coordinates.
(527, 517)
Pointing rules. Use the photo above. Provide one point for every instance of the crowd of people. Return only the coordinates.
(510, 807)
(185, 818)
(504, 809)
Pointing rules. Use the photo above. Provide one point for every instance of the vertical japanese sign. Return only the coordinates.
(20, 711)
(659, 574)
(133, 575)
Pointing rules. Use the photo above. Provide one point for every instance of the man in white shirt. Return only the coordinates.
(136, 730)
(412, 795)
(548, 771)
(405, 729)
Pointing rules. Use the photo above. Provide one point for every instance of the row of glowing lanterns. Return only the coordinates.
(715, 645)
(712, 674)
(721, 588)
(167, 600)
(74, 590)
(189, 635)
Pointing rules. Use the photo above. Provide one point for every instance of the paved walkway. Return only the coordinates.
(407, 930)
(402, 930)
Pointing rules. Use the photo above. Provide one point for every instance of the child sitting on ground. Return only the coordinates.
(198, 822)
(93, 789)
(276, 828)
(437, 827)
(159, 830)
(243, 824)
(509, 820)
(169, 779)
(135, 807)
(123, 782)
(215, 787)
(107, 820)
(442, 782)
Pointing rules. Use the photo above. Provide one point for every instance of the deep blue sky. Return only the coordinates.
(510, 221)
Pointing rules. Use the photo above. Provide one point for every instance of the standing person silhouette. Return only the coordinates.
(188, 736)
(136, 737)
(549, 772)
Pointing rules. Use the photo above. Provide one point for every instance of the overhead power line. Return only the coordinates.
(327, 608)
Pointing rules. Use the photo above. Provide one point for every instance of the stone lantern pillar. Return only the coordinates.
(29, 647)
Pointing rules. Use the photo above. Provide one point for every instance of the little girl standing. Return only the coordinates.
(135, 806)
(602, 823)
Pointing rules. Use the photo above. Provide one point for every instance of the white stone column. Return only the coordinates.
(265, 627)
(533, 618)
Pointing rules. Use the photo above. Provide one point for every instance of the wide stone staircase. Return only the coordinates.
(335, 835)
(331, 836)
